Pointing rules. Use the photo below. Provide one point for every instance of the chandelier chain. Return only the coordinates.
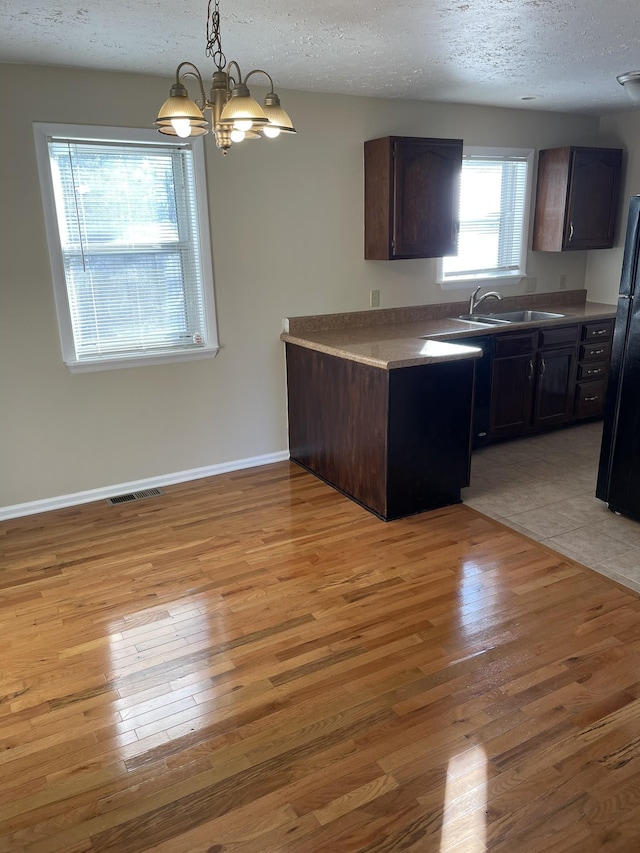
(214, 44)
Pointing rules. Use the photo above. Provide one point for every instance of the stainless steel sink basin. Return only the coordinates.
(486, 319)
(499, 319)
(526, 316)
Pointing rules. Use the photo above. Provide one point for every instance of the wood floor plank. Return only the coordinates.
(252, 663)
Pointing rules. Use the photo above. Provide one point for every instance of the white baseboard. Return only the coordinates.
(62, 501)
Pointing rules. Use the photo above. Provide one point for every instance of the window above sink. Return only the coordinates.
(495, 196)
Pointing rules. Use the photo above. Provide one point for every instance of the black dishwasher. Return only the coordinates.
(482, 388)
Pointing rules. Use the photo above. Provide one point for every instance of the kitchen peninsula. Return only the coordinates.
(381, 403)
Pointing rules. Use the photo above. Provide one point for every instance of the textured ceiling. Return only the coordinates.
(564, 53)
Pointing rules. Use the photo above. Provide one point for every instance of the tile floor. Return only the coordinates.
(544, 487)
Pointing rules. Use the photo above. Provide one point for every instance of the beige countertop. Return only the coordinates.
(403, 337)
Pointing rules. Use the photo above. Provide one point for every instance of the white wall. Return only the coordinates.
(621, 130)
(287, 236)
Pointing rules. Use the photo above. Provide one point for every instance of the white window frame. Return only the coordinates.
(43, 132)
(465, 282)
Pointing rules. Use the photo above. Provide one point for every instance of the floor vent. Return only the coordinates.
(135, 496)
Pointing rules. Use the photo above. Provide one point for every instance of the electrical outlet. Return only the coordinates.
(563, 281)
(374, 299)
(532, 284)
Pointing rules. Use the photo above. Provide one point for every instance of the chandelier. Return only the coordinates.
(235, 115)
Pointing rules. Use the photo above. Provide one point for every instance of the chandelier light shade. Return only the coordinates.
(279, 121)
(631, 82)
(235, 115)
(243, 111)
(180, 116)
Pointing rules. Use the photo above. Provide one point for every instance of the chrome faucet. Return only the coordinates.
(473, 302)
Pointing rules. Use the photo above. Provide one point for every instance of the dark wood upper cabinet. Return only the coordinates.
(576, 198)
(411, 197)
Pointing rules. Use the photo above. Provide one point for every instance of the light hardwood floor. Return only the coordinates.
(254, 663)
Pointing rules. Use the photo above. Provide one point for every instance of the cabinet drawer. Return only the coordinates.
(508, 345)
(597, 351)
(597, 331)
(555, 337)
(589, 401)
(593, 370)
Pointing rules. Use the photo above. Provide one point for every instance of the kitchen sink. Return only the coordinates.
(487, 319)
(511, 317)
(526, 316)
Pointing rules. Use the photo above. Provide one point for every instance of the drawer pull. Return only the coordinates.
(594, 372)
(597, 332)
(596, 351)
(591, 399)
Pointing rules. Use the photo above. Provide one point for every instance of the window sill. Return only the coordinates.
(116, 363)
(472, 282)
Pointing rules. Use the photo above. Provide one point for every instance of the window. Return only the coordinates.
(128, 234)
(495, 189)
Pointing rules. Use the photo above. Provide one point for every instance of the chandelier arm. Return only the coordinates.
(228, 70)
(260, 71)
(196, 74)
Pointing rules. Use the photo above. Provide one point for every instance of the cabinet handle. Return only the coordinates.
(596, 351)
(591, 399)
(570, 231)
(594, 372)
(530, 371)
(543, 367)
(597, 332)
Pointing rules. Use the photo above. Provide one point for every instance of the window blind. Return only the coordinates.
(127, 222)
(492, 207)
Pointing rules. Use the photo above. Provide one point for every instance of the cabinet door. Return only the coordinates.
(593, 198)
(511, 395)
(576, 198)
(555, 373)
(426, 180)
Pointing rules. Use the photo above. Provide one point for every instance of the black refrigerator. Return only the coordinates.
(619, 469)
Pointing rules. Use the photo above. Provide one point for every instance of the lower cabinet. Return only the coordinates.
(555, 375)
(594, 355)
(532, 381)
(546, 377)
(554, 378)
(512, 385)
(396, 441)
